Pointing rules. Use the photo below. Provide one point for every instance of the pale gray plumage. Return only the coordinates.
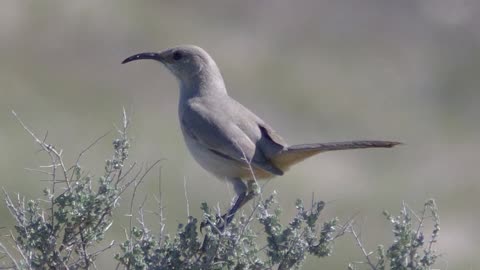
(222, 135)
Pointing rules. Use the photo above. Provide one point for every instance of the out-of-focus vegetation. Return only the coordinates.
(316, 70)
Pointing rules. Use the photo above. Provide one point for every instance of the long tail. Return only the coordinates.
(297, 153)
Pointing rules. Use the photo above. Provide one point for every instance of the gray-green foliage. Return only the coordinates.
(60, 230)
(66, 228)
(238, 245)
(410, 249)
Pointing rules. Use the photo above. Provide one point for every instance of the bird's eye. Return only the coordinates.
(177, 56)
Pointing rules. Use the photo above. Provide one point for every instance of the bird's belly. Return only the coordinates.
(220, 166)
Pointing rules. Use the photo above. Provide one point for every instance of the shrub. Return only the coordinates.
(66, 229)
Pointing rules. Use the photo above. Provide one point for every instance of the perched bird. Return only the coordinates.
(223, 136)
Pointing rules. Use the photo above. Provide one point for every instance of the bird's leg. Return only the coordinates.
(241, 191)
(245, 194)
(239, 202)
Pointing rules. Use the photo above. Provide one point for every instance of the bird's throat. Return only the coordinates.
(202, 84)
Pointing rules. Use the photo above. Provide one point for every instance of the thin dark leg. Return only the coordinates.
(238, 204)
(244, 193)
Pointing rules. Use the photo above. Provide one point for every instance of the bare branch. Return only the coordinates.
(365, 253)
(186, 195)
(55, 155)
(10, 256)
(86, 149)
(135, 191)
(37, 170)
(96, 253)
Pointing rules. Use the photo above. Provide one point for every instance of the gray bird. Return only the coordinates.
(223, 136)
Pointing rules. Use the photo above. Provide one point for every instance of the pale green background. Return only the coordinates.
(316, 70)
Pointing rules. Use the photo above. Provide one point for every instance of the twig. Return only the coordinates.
(365, 253)
(124, 187)
(186, 195)
(77, 165)
(96, 253)
(436, 219)
(84, 250)
(26, 259)
(5, 250)
(160, 205)
(37, 170)
(345, 227)
(55, 154)
(126, 173)
(141, 218)
(252, 172)
(135, 191)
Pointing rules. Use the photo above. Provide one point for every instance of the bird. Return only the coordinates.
(223, 136)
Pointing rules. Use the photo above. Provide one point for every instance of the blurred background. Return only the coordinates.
(317, 71)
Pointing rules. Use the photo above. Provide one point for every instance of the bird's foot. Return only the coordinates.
(224, 220)
(220, 223)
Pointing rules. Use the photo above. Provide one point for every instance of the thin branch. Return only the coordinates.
(77, 165)
(96, 253)
(345, 227)
(160, 205)
(124, 187)
(37, 170)
(84, 250)
(141, 213)
(365, 253)
(252, 172)
(186, 195)
(26, 259)
(57, 155)
(436, 219)
(10, 256)
(126, 173)
(135, 191)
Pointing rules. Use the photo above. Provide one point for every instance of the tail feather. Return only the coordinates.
(333, 146)
(296, 153)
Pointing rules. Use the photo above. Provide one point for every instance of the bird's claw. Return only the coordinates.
(219, 225)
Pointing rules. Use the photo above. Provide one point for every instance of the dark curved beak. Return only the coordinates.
(146, 55)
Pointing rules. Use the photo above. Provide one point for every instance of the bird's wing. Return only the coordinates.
(220, 134)
(266, 139)
(271, 135)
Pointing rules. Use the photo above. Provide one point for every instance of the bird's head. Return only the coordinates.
(185, 61)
